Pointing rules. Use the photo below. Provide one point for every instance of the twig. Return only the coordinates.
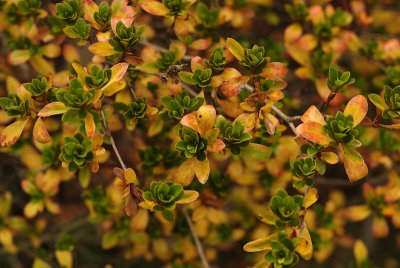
(196, 239)
(289, 120)
(114, 146)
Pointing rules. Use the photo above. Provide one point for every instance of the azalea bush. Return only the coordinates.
(208, 133)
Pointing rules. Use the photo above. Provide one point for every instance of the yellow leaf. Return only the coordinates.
(18, 56)
(130, 176)
(353, 163)
(261, 244)
(305, 246)
(40, 133)
(185, 173)
(52, 50)
(64, 258)
(313, 115)
(11, 133)
(311, 197)
(201, 169)
(188, 197)
(358, 108)
(53, 109)
(330, 157)
(235, 48)
(360, 251)
(114, 88)
(155, 8)
(102, 49)
(39, 263)
(357, 213)
(41, 66)
(90, 125)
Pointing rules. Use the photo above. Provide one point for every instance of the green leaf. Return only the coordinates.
(261, 244)
(235, 48)
(255, 152)
(378, 101)
(109, 240)
(186, 77)
(168, 215)
(84, 177)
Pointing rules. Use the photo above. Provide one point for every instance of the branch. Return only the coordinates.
(114, 146)
(196, 239)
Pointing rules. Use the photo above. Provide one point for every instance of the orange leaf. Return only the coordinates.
(90, 126)
(274, 70)
(11, 133)
(313, 115)
(380, 227)
(232, 87)
(353, 163)
(200, 44)
(40, 133)
(358, 108)
(310, 197)
(314, 132)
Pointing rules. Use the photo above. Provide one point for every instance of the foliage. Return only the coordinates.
(181, 133)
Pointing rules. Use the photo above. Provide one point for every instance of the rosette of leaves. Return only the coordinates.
(297, 12)
(217, 61)
(76, 96)
(392, 75)
(165, 195)
(207, 16)
(338, 80)
(38, 86)
(233, 134)
(167, 59)
(304, 170)
(219, 183)
(282, 253)
(286, 208)
(192, 144)
(254, 59)
(389, 104)
(76, 152)
(202, 77)
(69, 11)
(134, 111)
(179, 106)
(80, 29)
(125, 37)
(97, 77)
(103, 16)
(341, 129)
(12, 14)
(14, 106)
(50, 156)
(29, 6)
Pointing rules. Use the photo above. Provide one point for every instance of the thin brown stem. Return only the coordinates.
(196, 239)
(114, 146)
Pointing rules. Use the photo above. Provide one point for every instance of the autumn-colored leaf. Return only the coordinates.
(235, 48)
(305, 246)
(155, 8)
(378, 101)
(188, 197)
(255, 152)
(102, 49)
(313, 115)
(274, 70)
(53, 108)
(90, 125)
(232, 87)
(314, 132)
(11, 133)
(261, 244)
(353, 163)
(360, 252)
(42, 66)
(310, 197)
(201, 169)
(357, 213)
(40, 133)
(18, 57)
(358, 108)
